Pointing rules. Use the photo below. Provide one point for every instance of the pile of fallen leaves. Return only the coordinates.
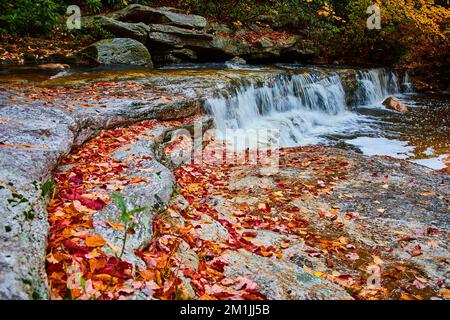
(277, 38)
(18, 50)
(78, 267)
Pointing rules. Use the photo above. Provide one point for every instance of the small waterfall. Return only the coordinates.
(303, 108)
(375, 85)
(300, 107)
(407, 86)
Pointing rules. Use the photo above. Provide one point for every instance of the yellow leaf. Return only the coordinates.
(318, 274)
(445, 293)
(377, 260)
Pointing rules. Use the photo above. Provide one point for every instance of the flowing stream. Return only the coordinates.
(305, 105)
(312, 108)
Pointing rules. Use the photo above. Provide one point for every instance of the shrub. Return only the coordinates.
(29, 17)
(409, 30)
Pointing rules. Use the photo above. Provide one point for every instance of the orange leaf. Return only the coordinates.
(138, 180)
(116, 226)
(95, 241)
(285, 245)
(95, 264)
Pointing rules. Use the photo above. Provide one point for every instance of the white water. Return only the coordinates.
(407, 86)
(303, 108)
(375, 85)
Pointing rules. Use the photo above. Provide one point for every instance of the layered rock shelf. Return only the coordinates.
(173, 37)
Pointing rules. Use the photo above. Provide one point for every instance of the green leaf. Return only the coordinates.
(82, 282)
(47, 187)
(137, 210)
(123, 207)
(120, 201)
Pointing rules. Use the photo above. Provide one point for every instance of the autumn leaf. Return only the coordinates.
(116, 226)
(95, 241)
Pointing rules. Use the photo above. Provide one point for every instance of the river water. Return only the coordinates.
(309, 105)
(310, 108)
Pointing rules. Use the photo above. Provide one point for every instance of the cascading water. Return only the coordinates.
(407, 86)
(374, 85)
(303, 108)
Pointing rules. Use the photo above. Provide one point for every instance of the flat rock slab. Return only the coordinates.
(329, 224)
(281, 280)
(40, 124)
(148, 15)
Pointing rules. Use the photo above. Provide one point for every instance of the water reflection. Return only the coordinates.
(421, 136)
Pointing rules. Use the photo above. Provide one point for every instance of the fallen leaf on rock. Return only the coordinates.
(116, 226)
(377, 260)
(95, 241)
(352, 256)
(445, 293)
(285, 245)
(245, 283)
(136, 180)
(418, 284)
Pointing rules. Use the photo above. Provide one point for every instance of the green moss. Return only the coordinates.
(36, 295)
(16, 199)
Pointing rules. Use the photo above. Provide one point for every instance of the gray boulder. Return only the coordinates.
(231, 46)
(23, 173)
(118, 51)
(136, 31)
(154, 194)
(178, 37)
(148, 15)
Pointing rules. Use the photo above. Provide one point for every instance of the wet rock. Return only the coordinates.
(395, 104)
(346, 146)
(280, 280)
(211, 230)
(238, 60)
(23, 172)
(187, 256)
(54, 66)
(34, 136)
(136, 31)
(114, 51)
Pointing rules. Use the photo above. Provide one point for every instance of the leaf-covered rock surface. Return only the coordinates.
(235, 231)
(329, 224)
